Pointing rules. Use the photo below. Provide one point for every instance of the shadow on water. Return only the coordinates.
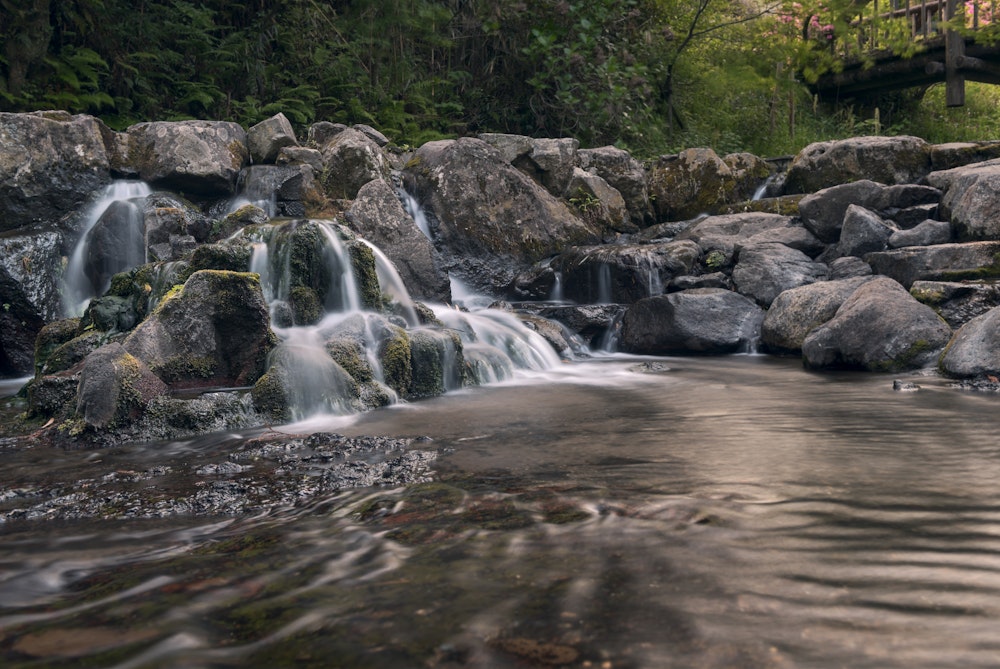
(726, 512)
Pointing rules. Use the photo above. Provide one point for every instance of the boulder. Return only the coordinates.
(493, 220)
(974, 351)
(942, 262)
(116, 243)
(904, 196)
(702, 321)
(794, 237)
(301, 155)
(283, 188)
(436, 362)
(727, 232)
(956, 154)
(798, 311)
(848, 267)
(51, 337)
(50, 164)
(696, 181)
(199, 158)
(927, 233)
(623, 173)
(372, 134)
(823, 212)
(750, 173)
(266, 139)
(377, 215)
(549, 162)
(215, 331)
(115, 388)
(957, 302)
(598, 203)
(623, 273)
(971, 200)
(591, 322)
(764, 271)
(30, 267)
(888, 160)
(863, 232)
(352, 159)
(880, 327)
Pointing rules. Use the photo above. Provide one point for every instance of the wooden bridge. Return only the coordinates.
(943, 53)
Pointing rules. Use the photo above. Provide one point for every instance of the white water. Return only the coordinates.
(77, 287)
(413, 208)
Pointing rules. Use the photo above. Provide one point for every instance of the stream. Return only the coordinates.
(619, 512)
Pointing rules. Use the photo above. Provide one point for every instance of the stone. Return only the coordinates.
(880, 328)
(863, 232)
(749, 171)
(887, 160)
(49, 166)
(798, 311)
(955, 154)
(377, 215)
(266, 139)
(727, 232)
(957, 302)
(974, 351)
(623, 173)
(764, 271)
(115, 387)
(700, 321)
(823, 212)
(927, 233)
(215, 331)
(971, 199)
(285, 188)
(352, 159)
(372, 134)
(846, 268)
(198, 158)
(941, 262)
(436, 361)
(793, 236)
(696, 181)
(491, 220)
(598, 203)
(301, 155)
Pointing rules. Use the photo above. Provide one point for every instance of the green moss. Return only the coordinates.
(991, 271)
(349, 354)
(928, 296)
(904, 360)
(397, 365)
(53, 336)
(184, 367)
(363, 261)
(306, 307)
(270, 396)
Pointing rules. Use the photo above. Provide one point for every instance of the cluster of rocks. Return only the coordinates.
(873, 253)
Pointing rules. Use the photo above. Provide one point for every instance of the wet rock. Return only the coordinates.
(971, 200)
(436, 361)
(623, 273)
(696, 181)
(823, 212)
(50, 164)
(974, 351)
(377, 215)
(68, 354)
(53, 395)
(704, 321)
(492, 220)
(764, 271)
(352, 159)
(863, 231)
(904, 386)
(246, 215)
(942, 262)
(888, 160)
(213, 332)
(623, 173)
(285, 188)
(51, 337)
(266, 139)
(115, 387)
(203, 158)
(957, 303)
(880, 327)
(749, 171)
(589, 321)
(796, 312)
(116, 243)
(303, 381)
(927, 233)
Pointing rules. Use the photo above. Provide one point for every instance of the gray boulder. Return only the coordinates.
(50, 163)
(749, 171)
(214, 332)
(764, 271)
(625, 174)
(352, 159)
(975, 349)
(598, 203)
(927, 233)
(549, 162)
(888, 160)
(881, 328)
(957, 302)
(702, 321)
(693, 182)
(848, 267)
(863, 232)
(115, 388)
(284, 189)
(942, 262)
(377, 215)
(266, 139)
(492, 219)
(793, 236)
(823, 212)
(955, 154)
(798, 311)
(971, 200)
(201, 158)
(727, 232)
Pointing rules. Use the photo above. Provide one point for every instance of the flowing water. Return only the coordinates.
(702, 512)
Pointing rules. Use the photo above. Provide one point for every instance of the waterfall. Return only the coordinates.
(414, 209)
(120, 200)
(260, 192)
(391, 283)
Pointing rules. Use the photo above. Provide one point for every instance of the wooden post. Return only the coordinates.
(954, 49)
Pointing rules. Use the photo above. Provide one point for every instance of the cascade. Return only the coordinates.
(89, 270)
(259, 192)
(414, 209)
(392, 284)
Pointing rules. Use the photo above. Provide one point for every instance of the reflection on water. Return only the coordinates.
(728, 512)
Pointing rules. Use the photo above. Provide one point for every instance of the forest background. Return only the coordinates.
(650, 76)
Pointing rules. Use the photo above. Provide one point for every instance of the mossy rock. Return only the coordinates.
(72, 352)
(436, 361)
(51, 337)
(185, 367)
(246, 215)
(397, 365)
(349, 354)
(270, 397)
(231, 256)
(363, 260)
(305, 305)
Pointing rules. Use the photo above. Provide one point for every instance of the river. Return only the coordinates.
(678, 512)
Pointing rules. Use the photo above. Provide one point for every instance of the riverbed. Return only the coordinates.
(620, 512)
